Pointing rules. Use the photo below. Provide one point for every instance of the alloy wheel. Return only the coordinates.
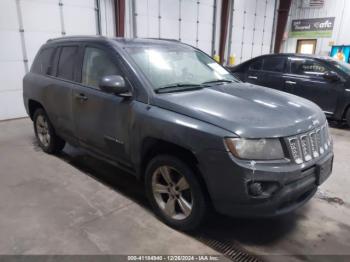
(42, 128)
(172, 193)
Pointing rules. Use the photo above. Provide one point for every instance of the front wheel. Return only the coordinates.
(45, 133)
(175, 193)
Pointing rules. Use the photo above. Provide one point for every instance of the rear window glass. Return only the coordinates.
(43, 63)
(256, 65)
(274, 64)
(66, 62)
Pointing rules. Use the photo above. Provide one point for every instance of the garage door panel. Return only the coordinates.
(10, 40)
(250, 6)
(239, 5)
(265, 49)
(259, 22)
(142, 25)
(85, 24)
(249, 21)
(205, 32)
(258, 37)
(11, 104)
(238, 19)
(40, 16)
(8, 19)
(11, 74)
(170, 29)
(170, 9)
(189, 10)
(153, 29)
(79, 3)
(34, 40)
(261, 5)
(205, 14)
(267, 37)
(256, 50)
(188, 30)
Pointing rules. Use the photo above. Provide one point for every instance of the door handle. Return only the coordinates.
(290, 82)
(252, 77)
(81, 97)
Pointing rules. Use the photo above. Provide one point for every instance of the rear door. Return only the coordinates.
(101, 118)
(253, 73)
(306, 79)
(59, 91)
(273, 71)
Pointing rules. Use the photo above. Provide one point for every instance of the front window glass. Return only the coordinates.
(165, 66)
(301, 66)
(343, 66)
(96, 65)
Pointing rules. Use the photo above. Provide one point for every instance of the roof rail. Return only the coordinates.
(163, 39)
(76, 37)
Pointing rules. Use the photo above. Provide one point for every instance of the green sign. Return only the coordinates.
(315, 27)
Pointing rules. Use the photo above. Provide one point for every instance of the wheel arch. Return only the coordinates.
(33, 105)
(152, 147)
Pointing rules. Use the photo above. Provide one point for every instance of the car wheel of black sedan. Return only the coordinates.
(348, 117)
(174, 193)
(45, 133)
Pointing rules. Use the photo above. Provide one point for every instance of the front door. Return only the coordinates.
(101, 118)
(306, 80)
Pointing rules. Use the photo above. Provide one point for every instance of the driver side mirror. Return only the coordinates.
(115, 84)
(331, 76)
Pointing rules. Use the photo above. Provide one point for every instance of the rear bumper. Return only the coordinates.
(287, 186)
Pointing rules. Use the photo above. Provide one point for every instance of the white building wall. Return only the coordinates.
(331, 8)
(25, 25)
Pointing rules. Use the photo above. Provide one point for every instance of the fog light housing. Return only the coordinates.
(262, 189)
(255, 189)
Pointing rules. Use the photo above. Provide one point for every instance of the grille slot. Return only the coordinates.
(310, 145)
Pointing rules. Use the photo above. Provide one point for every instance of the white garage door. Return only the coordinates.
(24, 26)
(252, 28)
(189, 21)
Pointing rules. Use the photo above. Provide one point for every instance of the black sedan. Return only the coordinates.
(322, 80)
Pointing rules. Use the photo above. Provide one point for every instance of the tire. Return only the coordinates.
(187, 197)
(45, 133)
(348, 117)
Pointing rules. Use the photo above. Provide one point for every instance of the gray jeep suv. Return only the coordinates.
(170, 115)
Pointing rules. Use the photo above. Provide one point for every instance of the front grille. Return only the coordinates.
(310, 145)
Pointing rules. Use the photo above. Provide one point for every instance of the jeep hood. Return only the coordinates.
(247, 110)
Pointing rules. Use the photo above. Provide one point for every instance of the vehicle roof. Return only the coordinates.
(121, 41)
(297, 55)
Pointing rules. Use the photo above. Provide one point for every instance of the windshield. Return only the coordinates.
(343, 66)
(180, 67)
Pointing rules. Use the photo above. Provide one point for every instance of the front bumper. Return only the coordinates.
(287, 185)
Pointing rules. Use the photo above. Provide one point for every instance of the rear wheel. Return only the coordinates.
(348, 117)
(174, 193)
(45, 133)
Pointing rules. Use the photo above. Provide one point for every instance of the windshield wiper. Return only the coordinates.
(178, 87)
(218, 81)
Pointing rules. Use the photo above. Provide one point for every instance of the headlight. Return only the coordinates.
(255, 149)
